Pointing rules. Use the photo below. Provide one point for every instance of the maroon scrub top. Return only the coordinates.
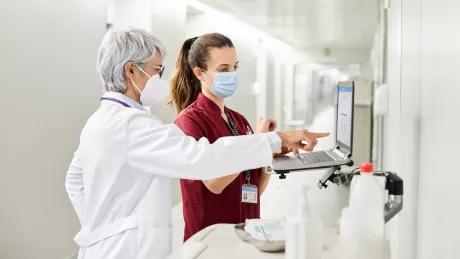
(201, 207)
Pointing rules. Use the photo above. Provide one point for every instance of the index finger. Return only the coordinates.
(319, 135)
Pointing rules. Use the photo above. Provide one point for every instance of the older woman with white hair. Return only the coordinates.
(119, 178)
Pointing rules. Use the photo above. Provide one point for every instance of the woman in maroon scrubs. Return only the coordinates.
(205, 76)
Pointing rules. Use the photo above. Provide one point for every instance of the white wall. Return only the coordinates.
(49, 88)
(128, 13)
(411, 43)
(391, 133)
(401, 134)
(421, 128)
(439, 206)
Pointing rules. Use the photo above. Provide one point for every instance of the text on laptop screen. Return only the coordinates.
(345, 109)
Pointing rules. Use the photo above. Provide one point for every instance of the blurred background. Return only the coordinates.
(402, 55)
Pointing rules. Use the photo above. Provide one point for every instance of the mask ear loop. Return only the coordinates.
(204, 82)
(135, 85)
(145, 73)
(132, 81)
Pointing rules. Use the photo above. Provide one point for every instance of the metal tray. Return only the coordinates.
(264, 246)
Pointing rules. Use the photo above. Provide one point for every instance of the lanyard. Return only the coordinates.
(232, 127)
(115, 100)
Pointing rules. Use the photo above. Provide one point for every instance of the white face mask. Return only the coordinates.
(155, 91)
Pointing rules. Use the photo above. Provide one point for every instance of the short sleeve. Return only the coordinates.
(189, 126)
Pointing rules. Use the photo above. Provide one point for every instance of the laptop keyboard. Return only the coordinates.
(315, 157)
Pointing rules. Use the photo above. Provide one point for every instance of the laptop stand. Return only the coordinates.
(328, 176)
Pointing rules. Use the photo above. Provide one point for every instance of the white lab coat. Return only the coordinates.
(119, 179)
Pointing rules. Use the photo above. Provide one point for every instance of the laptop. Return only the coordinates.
(340, 154)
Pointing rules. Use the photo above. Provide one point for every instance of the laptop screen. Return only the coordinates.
(345, 115)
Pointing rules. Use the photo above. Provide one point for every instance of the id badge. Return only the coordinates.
(249, 193)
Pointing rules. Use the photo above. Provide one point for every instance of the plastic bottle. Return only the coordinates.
(310, 240)
(292, 238)
(367, 190)
(361, 237)
(292, 233)
(362, 223)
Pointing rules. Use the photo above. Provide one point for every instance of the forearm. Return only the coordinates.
(264, 178)
(168, 152)
(218, 185)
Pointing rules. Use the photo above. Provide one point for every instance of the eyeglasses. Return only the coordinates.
(160, 68)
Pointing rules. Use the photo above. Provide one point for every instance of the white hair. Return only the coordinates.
(117, 48)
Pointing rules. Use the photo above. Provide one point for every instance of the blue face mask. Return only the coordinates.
(224, 85)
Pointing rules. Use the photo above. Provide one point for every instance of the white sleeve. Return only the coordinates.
(165, 150)
(275, 141)
(74, 185)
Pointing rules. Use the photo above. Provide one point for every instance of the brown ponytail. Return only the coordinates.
(185, 86)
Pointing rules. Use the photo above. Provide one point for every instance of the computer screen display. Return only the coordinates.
(345, 116)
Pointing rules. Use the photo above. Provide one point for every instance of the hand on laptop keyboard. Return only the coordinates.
(284, 151)
(295, 139)
(315, 157)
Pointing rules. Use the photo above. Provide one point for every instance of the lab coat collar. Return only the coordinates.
(208, 104)
(125, 99)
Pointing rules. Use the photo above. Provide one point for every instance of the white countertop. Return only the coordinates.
(222, 242)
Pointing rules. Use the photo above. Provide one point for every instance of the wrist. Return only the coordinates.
(282, 136)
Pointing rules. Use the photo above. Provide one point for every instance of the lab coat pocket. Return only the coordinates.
(154, 242)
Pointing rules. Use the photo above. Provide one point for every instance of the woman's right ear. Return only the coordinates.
(129, 69)
(198, 73)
